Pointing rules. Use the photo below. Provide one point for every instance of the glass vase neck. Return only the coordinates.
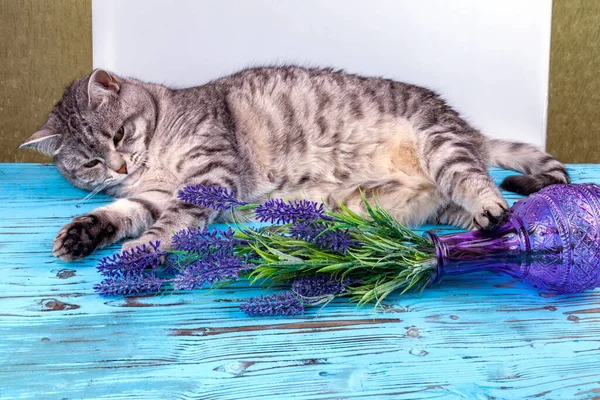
(500, 250)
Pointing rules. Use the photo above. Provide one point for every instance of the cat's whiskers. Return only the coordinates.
(95, 192)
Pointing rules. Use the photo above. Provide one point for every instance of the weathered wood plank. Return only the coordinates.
(479, 337)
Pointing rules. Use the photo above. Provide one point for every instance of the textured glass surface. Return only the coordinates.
(551, 241)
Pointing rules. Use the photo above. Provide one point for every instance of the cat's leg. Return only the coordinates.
(412, 201)
(456, 159)
(179, 215)
(108, 224)
(453, 214)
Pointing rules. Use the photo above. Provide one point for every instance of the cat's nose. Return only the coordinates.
(123, 169)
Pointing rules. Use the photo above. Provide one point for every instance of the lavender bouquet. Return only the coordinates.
(319, 254)
(551, 241)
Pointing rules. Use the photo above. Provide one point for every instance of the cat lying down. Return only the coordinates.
(279, 131)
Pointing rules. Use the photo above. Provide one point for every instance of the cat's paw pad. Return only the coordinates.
(491, 215)
(80, 237)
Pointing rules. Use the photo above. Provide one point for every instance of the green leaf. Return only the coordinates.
(334, 267)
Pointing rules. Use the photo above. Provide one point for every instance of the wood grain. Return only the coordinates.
(483, 336)
(574, 87)
(44, 45)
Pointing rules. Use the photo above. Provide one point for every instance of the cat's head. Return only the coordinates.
(99, 131)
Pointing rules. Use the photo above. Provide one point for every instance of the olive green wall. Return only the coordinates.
(44, 45)
(574, 96)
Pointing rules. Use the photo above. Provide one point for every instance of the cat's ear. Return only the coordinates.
(101, 87)
(45, 141)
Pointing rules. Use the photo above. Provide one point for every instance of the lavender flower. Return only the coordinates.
(204, 242)
(281, 304)
(209, 271)
(210, 196)
(278, 211)
(336, 240)
(306, 231)
(132, 261)
(318, 286)
(130, 284)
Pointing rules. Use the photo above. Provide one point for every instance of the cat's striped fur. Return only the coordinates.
(281, 131)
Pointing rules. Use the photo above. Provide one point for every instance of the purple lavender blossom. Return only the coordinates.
(318, 286)
(210, 270)
(280, 212)
(281, 304)
(203, 242)
(132, 261)
(305, 231)
(130, 284)
(336, 240)
(210, 196)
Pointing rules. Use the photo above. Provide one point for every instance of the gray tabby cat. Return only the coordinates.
(282, 132)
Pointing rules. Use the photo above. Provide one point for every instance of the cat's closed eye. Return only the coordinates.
(119, 136)
(91, 163)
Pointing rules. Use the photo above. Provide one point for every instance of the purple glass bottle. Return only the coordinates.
(551, 241)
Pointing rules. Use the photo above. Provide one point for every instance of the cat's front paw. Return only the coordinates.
(491, 214)
(80, 237)
(139, 244)
(132, 245)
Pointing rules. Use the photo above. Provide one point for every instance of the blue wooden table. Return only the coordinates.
(483, 336)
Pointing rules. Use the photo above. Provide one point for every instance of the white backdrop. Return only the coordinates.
(488, 58)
